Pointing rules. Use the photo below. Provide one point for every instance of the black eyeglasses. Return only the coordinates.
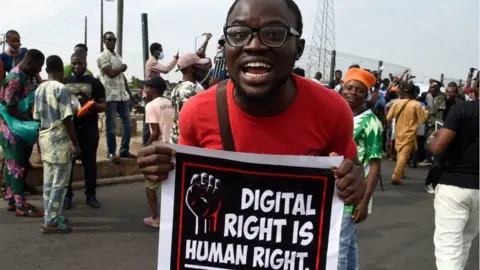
(273, 36)
(111, 39)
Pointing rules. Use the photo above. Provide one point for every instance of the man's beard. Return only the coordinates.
(264, 97)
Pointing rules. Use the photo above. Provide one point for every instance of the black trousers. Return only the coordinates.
(88, 138)
(420, 154)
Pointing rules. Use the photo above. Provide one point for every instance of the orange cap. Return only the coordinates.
(361, 75)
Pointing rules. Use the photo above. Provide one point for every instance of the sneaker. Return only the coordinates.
(127, 155)
(61, 228)
(429, 188)
(67, 203)
(425, 163)
(113, 157)
(149, 221)
(93, 202)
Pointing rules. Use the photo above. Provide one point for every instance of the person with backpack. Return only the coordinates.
(407, 114)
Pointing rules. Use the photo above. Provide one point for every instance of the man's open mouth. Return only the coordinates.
(256, 69)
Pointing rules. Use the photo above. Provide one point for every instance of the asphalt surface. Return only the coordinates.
(397, 236)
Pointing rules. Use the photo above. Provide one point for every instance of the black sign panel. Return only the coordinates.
(236, 215)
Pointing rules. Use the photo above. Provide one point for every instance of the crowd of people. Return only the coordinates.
(359, 115)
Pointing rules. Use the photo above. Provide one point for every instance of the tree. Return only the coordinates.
(135, 83)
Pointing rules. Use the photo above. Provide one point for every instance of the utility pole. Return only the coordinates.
(101, 25)
(145, 39)
(85, 37)
(119, 26)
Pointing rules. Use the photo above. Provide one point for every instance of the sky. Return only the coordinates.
(428, 36)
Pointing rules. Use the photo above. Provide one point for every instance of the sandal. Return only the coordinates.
(28, 211)
(61, 228)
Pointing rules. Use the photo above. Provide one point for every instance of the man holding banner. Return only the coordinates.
(263, 109)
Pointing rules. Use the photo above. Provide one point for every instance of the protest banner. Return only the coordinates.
(228, 211)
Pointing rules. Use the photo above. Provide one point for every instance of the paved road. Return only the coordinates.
(397, 236)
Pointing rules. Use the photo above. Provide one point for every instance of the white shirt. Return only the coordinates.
(115, 89)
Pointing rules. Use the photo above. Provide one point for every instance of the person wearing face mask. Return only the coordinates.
(194, 70)
(13, 56)
(153, 69)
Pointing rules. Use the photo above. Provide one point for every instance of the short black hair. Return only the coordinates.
(81, 45)
(354, 66)
(338, 71)
(107, 33)
(318, 75)
(33, 55)
(155, 47)
(453, 84)
(290, 4)
(386, 82)
(422, 97)
(79, 55)
(10, 33)
(299, 71)
(54, 64)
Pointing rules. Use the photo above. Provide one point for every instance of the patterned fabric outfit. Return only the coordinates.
(117, 102)
(52, 105)
(368, 134)
(180, 94)
(16, 86)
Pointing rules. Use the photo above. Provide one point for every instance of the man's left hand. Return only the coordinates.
(350, 181)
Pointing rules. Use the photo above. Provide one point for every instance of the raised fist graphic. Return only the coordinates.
(203, 200)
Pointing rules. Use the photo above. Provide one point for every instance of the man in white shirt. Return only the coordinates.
(118, 95)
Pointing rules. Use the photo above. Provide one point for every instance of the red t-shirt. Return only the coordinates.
(318, 119)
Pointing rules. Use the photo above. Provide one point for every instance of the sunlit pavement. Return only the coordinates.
(398, 235)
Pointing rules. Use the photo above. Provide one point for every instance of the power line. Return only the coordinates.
(56, 14)
(417, 28)
(68, 16)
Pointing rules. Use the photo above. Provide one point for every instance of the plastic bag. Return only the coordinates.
(26, 130)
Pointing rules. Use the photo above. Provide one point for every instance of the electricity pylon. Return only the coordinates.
(323, 40)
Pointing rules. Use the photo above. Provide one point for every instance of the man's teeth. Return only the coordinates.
(258, 64)
(255, 74)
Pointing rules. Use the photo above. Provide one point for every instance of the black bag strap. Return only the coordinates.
(223, 117)
(400, 112)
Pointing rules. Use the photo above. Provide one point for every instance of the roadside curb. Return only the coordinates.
(104, 182)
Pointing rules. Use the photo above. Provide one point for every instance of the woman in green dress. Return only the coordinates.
(16, 88)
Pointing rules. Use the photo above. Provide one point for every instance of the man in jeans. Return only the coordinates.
(111, 68)
(456, 195)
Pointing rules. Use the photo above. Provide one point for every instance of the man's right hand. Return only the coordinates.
(124, 67)
(78, 152)
(156, 161)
